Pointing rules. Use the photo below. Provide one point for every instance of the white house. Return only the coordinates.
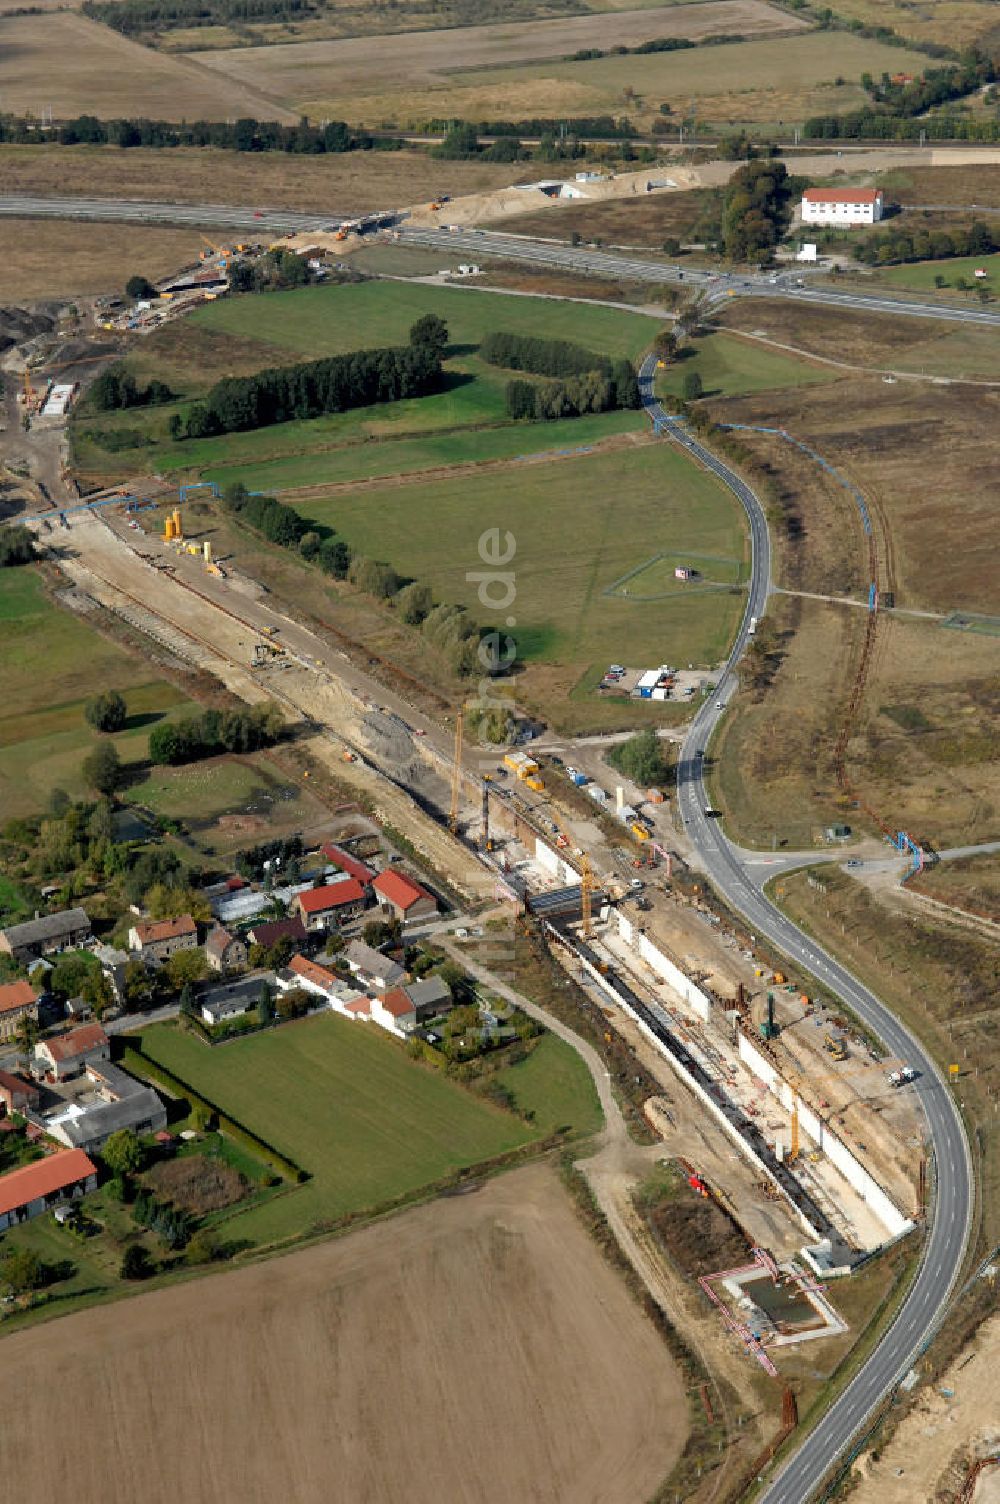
(841, 206)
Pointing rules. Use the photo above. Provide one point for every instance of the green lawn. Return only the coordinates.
(12, 903)
(51, 661)
(731, 367)
(403, 456)
(344, 1101)
(317, 321)
(579, 525)
(920, 275)
(554, 1084)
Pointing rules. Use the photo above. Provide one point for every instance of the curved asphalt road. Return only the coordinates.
(950, 1214)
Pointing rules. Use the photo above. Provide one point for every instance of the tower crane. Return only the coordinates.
(456, 770)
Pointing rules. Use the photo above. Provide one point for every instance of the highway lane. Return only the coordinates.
(950, 1212)
(479, 243)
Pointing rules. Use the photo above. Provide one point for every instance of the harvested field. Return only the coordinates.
(584, 1383)
(971, 883)
(957, 23)
(942, 185)
(55, 259)
(355, 181)
(63, 60)
(645, 222)
(314, 75)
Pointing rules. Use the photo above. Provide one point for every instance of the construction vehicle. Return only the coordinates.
(836, 1047)
(769, 1028)
(639, 831)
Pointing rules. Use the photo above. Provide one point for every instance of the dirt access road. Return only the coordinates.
(477, 1349)
(214, 624)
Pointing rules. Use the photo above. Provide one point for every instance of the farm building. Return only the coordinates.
(68, 1054)
(32, 1189)
(42, 936)
(17, 1000)
(270, 931)
(371, 966)
(159, 939)
(233, 999)
(343, 861)
(429, 997)
(841, 206)
(223, 951)
(321, 908)
(405, 898)
(16, 1094)
(118, 1101)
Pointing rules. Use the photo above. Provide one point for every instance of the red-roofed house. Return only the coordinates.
(345, 862)
(29, 1191)
(841, 206)
(394, 1011)
(312, 976)
(157, 939)
(404, 897)
(326, 907)
(68, 1054)
(17, 1000)
(16, 1094)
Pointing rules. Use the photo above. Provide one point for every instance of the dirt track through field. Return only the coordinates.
(477, 1350)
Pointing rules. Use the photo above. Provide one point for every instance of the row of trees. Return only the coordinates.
(756, 209)
(282, 525)
(332, 385)
(135, 16)
(542, 357)
(593, 392)
(894, 245)
(117, 388)
(215, 731)
(17, 546)
(245, 134)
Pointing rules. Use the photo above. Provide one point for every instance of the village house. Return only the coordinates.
(429, 997)
(269, 931)
(333, 904)
(44, 934)
(403, 897)
(67, 1054)
(223, 951)
(310, 976)
(119, 1101)
(16, 1094)
(395, 1012)
(373, 969)
(17, 1000)
(233, 999)
(156, 940)
(32, 1189)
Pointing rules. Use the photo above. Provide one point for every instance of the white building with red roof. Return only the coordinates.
(846, 207)
(32, 1189)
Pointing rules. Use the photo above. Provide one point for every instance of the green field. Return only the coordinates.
(920, 274)
(51, 661)
(731, 367)
(344, 1101)
(317, 321)
(579, 524)
(556, 1087)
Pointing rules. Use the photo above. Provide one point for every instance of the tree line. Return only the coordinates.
(901, 109)
(237, 404)
(215, 731)
(593, 384)
(890, 246)
(245, 134)
(543, 357)
(116, 388)
(131, 16)
(655, 44)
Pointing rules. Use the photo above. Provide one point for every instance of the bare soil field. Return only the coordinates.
(643, 222)
(54, 259)
(355, 181)
(314, 75)
(971, 883)
(942, 185)
(63, 60)
(375, 1361)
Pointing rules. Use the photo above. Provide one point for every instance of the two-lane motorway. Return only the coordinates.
(950, 1211)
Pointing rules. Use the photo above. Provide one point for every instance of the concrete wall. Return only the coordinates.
(681, 983)
(703, 1096)
(824, 1138)
(546, 856)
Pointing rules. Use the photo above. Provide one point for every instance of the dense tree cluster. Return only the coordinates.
(904, 110)
(936, 87)
(275, 271)
(116, 388)
(332, 385)
(17, 546)
(894, 245)
(215, 731)
(171, 1226)
(756, 209)
(593, 392)
(542, 357)
(640, 758)
(245, 134)
(135, 16)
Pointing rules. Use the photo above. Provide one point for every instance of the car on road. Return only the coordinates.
(719, 705)
(854, 862)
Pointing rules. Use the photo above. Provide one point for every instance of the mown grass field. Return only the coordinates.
(555, 1086)
(579, 524)
(248, 333)
(51, 662)
(920, 275)
(342, 1100)
(731, 367)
